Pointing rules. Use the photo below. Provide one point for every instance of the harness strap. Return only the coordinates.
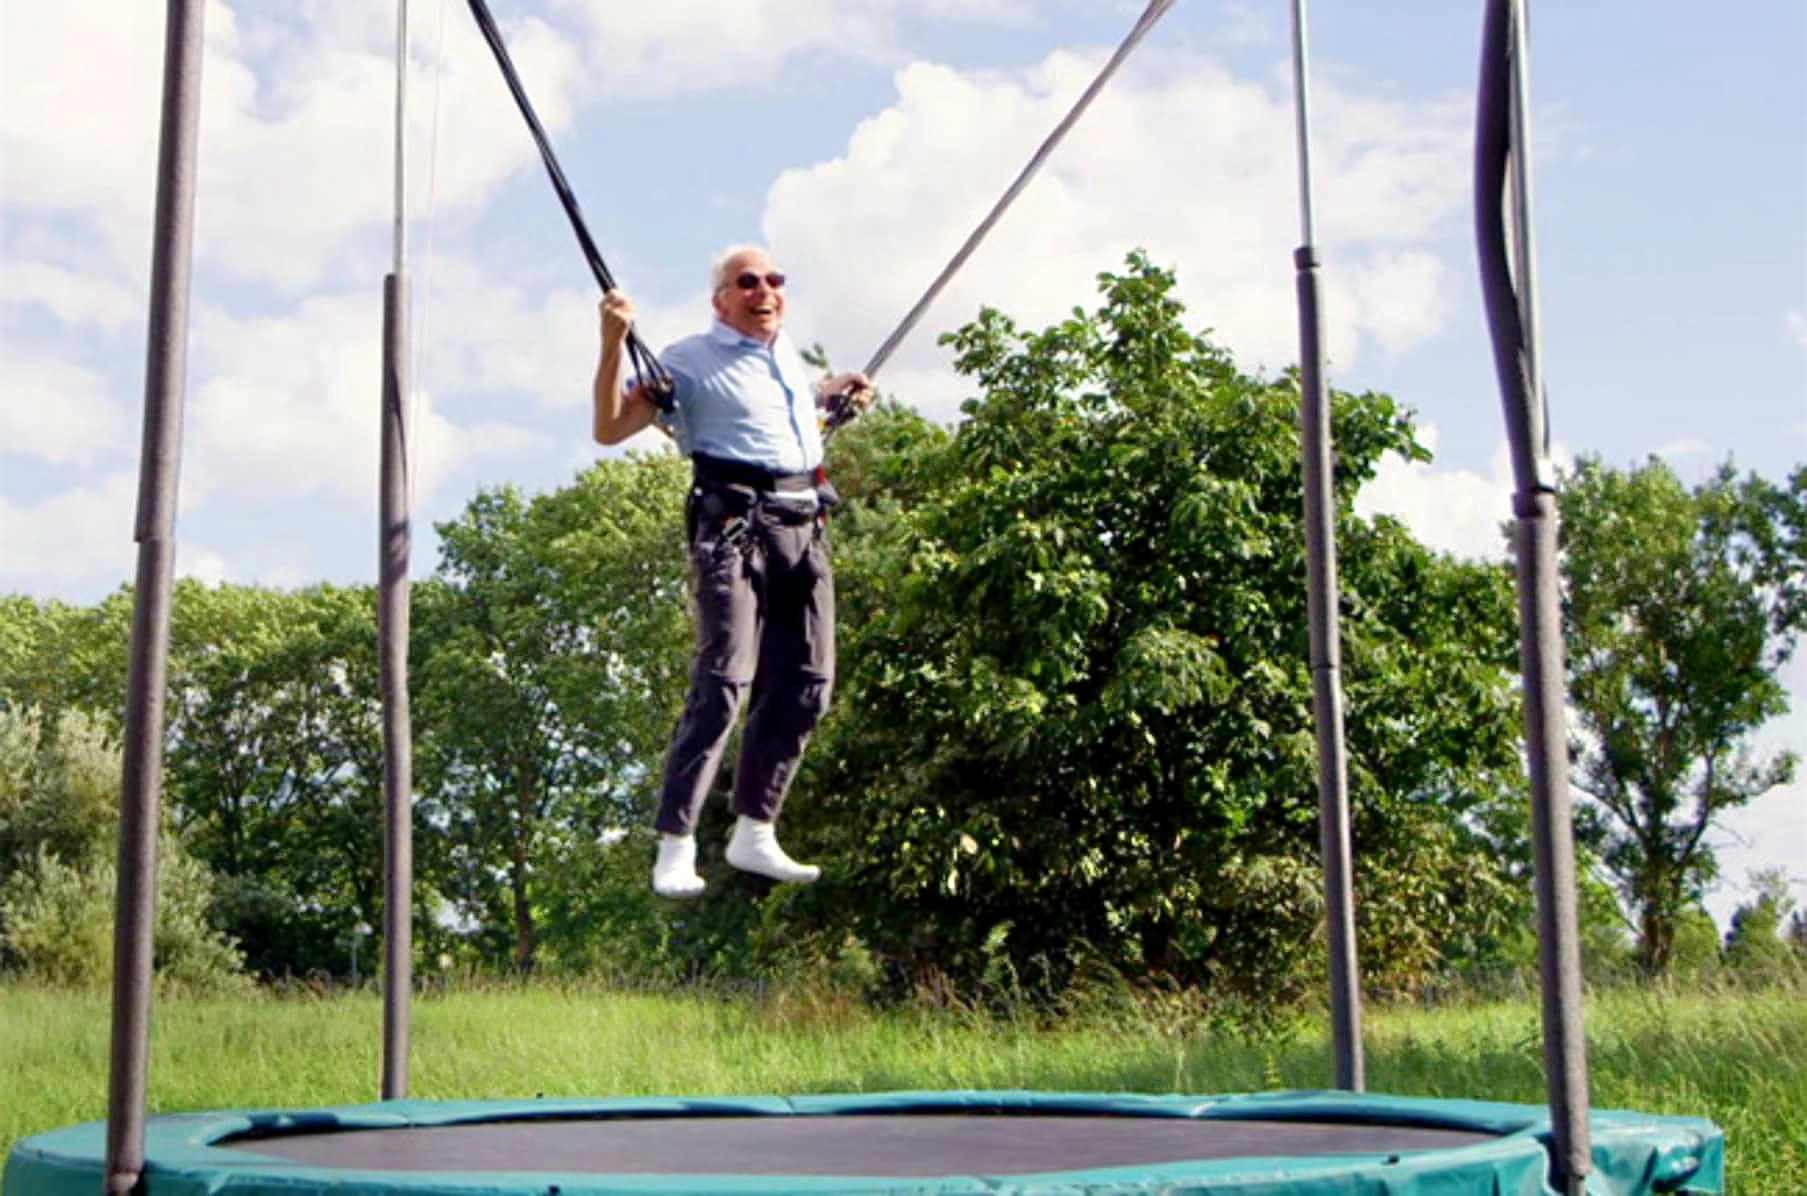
(719, 471)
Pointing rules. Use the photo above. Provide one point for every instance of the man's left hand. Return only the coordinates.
(855, 385)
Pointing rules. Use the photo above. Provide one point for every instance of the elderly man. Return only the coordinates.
(744, 409)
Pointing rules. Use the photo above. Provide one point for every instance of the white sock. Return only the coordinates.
(754, 848)
(674, 872)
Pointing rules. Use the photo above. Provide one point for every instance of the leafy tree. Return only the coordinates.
(232, 724)
(55, 658)
(271, 752)
(551, 664)
(22, 628)
(59, 790)
(1696, 954)
(1606, 939)
(274, 769)
(1680, 607)
(1754, 944)
(1075, 715)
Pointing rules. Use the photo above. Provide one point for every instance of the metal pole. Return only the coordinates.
(1321, 586)
(394, 535)
(1302, 120)
(154, 530)
(1552, 835)
(1502, 124)
(1524, 261)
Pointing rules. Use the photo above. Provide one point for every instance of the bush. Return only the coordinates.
(59, 788)
(59, 924)
(59, 818)
(59, 920)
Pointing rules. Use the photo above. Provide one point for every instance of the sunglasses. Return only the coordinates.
(748, 280)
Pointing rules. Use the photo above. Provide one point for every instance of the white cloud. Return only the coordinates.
(1766, 834)
(1454, 511)
(478, 333)
(78, 113)
(936, 393)
(1796, 322)
(304, 154)
(78, 535)
(295, 153)
(288, 406)
(1682, 451)
(74, 297)
(294, 196)
(1178, 156)
(79, 541)
(202, 565)
(1244, 25)
(1771, 832)
(686, 46)
(59, 412)
(1396, 297)
(1457, 511)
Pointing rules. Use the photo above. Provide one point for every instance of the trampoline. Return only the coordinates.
(1330, 1143)
(917, 1143)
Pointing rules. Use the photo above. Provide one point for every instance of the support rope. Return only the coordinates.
(647, 370)
(840, 408)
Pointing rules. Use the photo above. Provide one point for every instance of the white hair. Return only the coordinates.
(718, 273)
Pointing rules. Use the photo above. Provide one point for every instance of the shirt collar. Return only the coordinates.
(721, 333)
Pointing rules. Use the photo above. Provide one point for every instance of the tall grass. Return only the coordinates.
(1738, 1057)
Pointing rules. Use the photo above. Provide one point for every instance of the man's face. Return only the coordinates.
(747, 301)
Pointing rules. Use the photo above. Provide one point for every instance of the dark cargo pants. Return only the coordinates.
(764, 604)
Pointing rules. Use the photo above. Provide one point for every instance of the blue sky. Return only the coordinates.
(862, 139)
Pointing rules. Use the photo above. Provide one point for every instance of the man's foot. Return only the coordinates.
(753, 847)
(674, 872)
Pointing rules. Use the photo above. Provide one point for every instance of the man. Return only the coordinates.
(744, 411)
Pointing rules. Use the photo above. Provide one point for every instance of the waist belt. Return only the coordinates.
(715, 470)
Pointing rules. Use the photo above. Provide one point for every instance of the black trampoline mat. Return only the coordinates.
(915, 1145)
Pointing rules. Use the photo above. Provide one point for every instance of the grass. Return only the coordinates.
(1737, 1057)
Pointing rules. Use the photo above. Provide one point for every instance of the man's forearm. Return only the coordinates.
(606, 398)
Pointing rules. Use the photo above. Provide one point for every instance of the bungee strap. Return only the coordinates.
(840, 408)
(655, 383)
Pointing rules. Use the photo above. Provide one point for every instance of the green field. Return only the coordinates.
(1739, 1058)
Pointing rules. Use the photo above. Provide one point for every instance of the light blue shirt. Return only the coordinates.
(742, 400)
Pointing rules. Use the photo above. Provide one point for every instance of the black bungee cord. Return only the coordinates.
(655, 383)
(840, 408)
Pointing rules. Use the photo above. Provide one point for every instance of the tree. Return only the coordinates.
(1696, 954)
(1754, 945)
(551, 654)
(59, 792)
(1679, 609)
(272, 752)
(274, 769)
(1075, 715)
(55, 658)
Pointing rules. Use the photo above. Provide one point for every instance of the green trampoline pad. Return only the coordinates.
(907, 1143)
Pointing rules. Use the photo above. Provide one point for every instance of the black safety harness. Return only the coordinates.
(726, 494)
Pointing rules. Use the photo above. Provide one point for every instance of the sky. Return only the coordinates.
(862, 140)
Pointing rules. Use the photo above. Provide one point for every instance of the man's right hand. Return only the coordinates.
(617, 415)
(617, 317)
